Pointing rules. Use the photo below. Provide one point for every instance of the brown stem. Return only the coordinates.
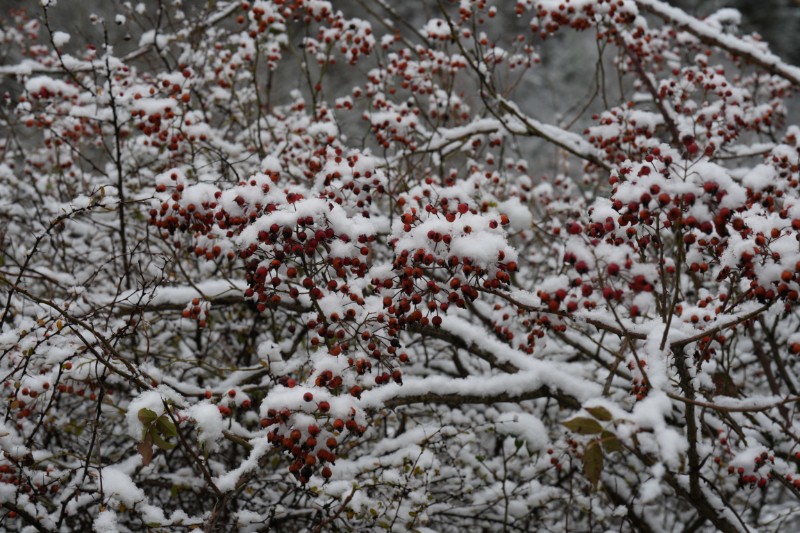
(458, 399)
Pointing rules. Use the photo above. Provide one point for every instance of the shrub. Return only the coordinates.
(294, 265)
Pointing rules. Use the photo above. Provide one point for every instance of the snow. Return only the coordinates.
(471, 237)
(540, 371)
(437, 29)
(106, 522)
(151, 106)
(209, 423)
(37, 84)
(166, 295)
(249, 521)
(525, 426)
(227, 482)
(150, 37)
(119, 485)
(60, 38)
(519, 216)
(652, 488)
(651, 413)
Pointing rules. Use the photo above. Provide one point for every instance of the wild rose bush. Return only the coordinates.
(283, 266)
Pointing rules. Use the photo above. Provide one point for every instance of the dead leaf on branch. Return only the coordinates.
(600, 413)
(593, 462)
(145, 449)
(610, 442)
(583, 425)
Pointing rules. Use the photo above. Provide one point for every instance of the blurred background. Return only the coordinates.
(557, 94)
(778, 21)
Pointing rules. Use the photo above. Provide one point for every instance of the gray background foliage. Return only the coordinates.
(777, 20)
(557, 93)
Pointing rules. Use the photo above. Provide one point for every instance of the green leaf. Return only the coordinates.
(583, 426)
(600, 413)
(161, 443)
(593, 462)
(166, 427)
(147, 416)
(610, 442)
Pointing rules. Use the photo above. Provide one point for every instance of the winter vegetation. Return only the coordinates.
(304, 265)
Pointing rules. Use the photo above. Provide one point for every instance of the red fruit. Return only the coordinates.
(324, 407)
(326, 472)
(463, 208)
(308, 397)
(232, 393)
